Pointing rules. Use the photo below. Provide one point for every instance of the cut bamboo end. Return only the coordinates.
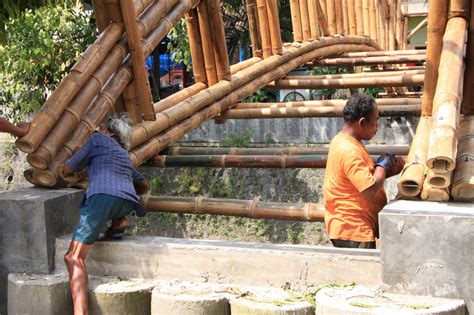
(28, 174)
(411, 180)
(463, 179)
(39, 159)
(442, 150)
(45, 178)
(437, 180)
(434, 194)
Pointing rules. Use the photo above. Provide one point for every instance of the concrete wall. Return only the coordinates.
(228, 262)
(30, 220)
(428, 249)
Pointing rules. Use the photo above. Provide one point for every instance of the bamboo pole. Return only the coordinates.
(437, 19)
(394, 68)
(359, 17)
(370, 60)
(218, 39)
(255, 40)
(339, 17)
(305, 23)
(404, 33)
(130, 99)
(113, 10)
(246, 161)
(351, 75)
(345, 13)
(322, 20)
(252, 82)
(448, 97)
(417, 28)
(264, 28)
(366, 17)
(179, 96)
(463, 183)
(351, 12)
(380, 53)
(142, 85)
(360, 82)
(380, 8)
(324, 8)
(274, 25)
(398, 25)
(321, 111)
(373, 21)
(331, 16)
(320, 150)
(313, 19)
(467, 107)
(410, 183)
(207, 46)
(296, 21)
(379, 101)
(100, 12)
(81, 102)
(244, 64)
(391, 25)
(241, 208)
(460, 8)
(195, 45)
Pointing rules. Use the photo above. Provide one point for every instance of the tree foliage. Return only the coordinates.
(42, 46)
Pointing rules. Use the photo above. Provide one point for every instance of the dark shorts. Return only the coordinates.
(96, 211)
(353, 244)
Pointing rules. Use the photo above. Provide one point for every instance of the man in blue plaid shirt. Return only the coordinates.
(113, 192)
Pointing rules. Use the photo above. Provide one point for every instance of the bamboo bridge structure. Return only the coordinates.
(111, 76)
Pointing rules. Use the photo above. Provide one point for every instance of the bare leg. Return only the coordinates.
(75, 262)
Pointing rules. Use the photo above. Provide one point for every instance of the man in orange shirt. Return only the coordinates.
(353, 183)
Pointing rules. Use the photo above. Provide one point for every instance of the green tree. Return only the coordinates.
(42, 46)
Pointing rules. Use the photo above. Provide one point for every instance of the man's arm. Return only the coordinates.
(139, 183)
(18, 131)
(379, 176)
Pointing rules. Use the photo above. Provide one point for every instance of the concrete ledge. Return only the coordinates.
(427, 249)
(245, 307)
(30, 221)
(39, 294)
(360, 300)
(228, 262)
(188, 304)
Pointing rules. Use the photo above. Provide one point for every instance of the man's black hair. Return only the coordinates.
(358, 106)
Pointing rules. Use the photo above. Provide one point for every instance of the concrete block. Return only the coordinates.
(360, 300)
(245, 306)
(188, 304)
(427, 249)
(229, 262)
(30, 221)
(39, 294)
(112, 296)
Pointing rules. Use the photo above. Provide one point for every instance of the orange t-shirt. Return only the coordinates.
(349, 171)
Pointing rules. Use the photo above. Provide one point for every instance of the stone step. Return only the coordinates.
(50, 294)
(231, 262)
(362, 300)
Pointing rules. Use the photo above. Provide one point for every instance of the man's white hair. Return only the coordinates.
(120, 127)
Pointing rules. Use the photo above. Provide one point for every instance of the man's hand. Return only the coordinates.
(386, 161)
(141, 187)
(397, 167)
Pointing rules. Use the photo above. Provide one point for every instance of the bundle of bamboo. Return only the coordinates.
(463, 178)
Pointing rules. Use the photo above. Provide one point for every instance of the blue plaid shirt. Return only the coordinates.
(109, 168)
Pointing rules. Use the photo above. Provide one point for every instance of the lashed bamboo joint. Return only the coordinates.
(111, 75)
